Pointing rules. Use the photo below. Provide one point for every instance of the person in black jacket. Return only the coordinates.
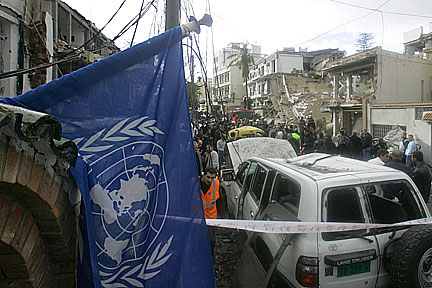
(366, 145)
(344, 147)
(356, 145)
(422, 175)
(396, 163)
(308, 141)
(331, 146)
(320, 145)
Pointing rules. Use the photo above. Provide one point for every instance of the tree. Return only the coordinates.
(244, 59)
(364, 41)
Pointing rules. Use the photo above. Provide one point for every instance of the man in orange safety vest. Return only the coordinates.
(211, 201)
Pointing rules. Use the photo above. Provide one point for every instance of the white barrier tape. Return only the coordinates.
(304, 227)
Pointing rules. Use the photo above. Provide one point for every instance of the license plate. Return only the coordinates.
(353, 269)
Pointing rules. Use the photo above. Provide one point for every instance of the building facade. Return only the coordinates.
(228, 78)
(39, 32)
(382, 91)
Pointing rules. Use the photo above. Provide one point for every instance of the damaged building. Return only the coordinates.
(39, 32)
(287, 84)
(382, 91)
(228, 85)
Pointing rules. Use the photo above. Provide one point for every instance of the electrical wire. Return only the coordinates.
(205, 74)
(96, 35)
(25, 71)
(214, 58)
(344, 24)
(45, 44)
(136, 25)
(377, 10)
(134, 20)
(66, 58)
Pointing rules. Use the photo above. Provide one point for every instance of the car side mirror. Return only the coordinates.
(228, 175)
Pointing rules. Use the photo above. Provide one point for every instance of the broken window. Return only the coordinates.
(392, 202)
(241, 175)
(267, 189)
(249, 175)
(287, 193)
(258, 184)
(342, 205)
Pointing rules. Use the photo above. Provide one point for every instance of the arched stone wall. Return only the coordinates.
(37, 222)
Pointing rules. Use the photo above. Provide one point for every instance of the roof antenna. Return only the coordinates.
(194, 24)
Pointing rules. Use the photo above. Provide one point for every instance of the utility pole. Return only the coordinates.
(172, 14)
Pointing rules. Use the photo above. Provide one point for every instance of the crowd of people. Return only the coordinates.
(409, 160)
(210, 139)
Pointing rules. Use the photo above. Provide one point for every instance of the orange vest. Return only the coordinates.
(209, 200)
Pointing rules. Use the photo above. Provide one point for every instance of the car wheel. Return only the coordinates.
(412, 258)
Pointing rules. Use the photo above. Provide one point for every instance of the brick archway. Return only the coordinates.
(38, 225)
(22, 251)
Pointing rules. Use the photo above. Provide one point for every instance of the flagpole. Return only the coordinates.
(172, 14)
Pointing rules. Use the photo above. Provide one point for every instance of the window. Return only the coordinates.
(258, 184)
(422, 91)
(392, 202)
(419, 112)
(227, 91)
(342, 205)
(249, 175)
(267, 189)
(241, 174)
(379, 131)
(287, 193)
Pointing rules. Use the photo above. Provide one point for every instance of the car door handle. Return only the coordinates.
(252, 214)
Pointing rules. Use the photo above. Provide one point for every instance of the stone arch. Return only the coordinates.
(23, 261)
(37, 191)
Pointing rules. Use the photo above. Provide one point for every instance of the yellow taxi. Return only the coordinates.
(244, 132)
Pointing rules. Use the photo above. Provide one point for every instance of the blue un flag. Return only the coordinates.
(129, 116)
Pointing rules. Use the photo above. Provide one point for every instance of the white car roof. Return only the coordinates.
(264, 147)
(319, 166)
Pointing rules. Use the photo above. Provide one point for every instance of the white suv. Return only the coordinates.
(323, 188)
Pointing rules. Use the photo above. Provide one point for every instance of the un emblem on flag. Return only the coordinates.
(129, 197)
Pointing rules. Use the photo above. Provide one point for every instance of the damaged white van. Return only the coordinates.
(323, 188)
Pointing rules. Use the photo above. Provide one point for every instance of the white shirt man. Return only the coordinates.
(381, 159)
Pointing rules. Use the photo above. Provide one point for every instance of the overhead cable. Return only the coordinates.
(136, 25)
(382, 11)
(25, 71)
(134, 20)
(344, 24)
(96, 35)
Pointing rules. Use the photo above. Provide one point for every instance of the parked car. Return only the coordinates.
(244, 132)
(239, 150)
(323, 188)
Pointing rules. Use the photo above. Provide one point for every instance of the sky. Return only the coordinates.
(272, 24)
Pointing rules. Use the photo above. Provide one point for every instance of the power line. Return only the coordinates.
(134, 20)
(96, 35)
(346, 23)
(377, 10)
(25, 71)
(136, 26)
(66, 58)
